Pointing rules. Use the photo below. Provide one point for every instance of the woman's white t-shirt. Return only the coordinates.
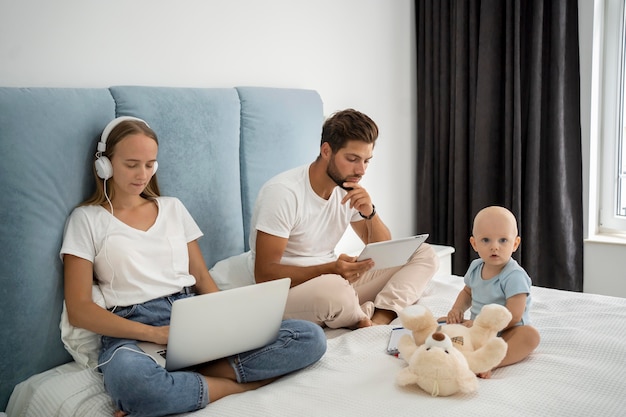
(133, 266)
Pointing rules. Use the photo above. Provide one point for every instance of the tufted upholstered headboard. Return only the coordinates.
(217, 147)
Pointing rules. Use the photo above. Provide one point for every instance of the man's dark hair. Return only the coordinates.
(346, 125)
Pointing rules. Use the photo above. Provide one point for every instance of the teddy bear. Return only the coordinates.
(436, 367)
(444, 359)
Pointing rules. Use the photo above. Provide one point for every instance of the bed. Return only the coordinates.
(218, 146)
(577, 370)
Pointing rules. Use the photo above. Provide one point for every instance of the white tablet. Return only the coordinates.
(391, 253)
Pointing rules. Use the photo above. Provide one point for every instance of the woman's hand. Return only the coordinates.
(161, 335)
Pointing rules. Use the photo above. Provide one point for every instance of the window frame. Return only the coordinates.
(611, 112)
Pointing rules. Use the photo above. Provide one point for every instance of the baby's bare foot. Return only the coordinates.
(484, 375)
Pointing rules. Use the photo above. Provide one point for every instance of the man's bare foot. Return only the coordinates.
(364, 322)
(383, 317)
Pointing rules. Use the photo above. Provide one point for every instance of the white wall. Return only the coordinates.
(355, 53)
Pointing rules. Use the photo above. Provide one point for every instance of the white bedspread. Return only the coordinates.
(577, 370)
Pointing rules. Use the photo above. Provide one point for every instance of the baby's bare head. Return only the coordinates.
(495, 218)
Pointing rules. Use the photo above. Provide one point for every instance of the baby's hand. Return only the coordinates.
(454, 316)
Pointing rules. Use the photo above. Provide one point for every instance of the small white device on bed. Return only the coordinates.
(397, 332)
(390, 253)
(216, 325)
(394, 338)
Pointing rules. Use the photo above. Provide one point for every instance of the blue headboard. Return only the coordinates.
(217, 147)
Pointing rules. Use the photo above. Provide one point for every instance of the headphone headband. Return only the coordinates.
(111, 125)
(103, 166)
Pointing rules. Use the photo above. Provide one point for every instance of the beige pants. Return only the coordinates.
(332, 301)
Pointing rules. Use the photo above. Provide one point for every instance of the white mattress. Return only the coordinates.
(577, 370)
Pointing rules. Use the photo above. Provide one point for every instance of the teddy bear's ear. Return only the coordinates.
(406, 377)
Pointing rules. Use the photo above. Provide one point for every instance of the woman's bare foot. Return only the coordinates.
(221, 387)
(222, 380)
(220, 368)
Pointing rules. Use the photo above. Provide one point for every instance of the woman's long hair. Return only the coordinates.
(119, 132)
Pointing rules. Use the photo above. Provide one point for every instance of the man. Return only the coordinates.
(301, 214)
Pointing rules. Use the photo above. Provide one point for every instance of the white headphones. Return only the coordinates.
(104, 169)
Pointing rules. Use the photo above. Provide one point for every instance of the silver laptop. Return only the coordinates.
(390, 253)
(212, 326)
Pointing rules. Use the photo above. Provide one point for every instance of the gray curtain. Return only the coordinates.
(498, 118)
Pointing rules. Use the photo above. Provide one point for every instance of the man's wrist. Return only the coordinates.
(372, 214)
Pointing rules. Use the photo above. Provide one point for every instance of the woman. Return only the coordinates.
(142, 250)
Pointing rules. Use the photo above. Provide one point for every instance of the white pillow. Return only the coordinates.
(83, 345)
(233, 272)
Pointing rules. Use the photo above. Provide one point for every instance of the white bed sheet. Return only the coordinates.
(577, 370)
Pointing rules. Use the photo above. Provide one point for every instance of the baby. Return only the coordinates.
(497, 278)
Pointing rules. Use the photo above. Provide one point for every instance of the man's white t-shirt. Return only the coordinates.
(288, 207)
(133, 266)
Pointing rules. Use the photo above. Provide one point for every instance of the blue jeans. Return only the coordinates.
(140, 387)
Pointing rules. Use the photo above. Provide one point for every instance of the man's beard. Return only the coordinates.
(333, 174)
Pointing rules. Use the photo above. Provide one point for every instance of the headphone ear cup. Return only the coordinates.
(155, 167)
(104, 169)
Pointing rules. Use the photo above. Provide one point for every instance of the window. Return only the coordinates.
(612, 115)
